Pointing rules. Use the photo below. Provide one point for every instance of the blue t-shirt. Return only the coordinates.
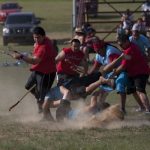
(142, 42)
(104, 60)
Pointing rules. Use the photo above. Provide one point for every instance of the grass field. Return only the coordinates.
(21, 129)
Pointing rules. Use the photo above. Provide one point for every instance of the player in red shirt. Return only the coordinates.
(43, 68)
(138, 71)
(67, 60)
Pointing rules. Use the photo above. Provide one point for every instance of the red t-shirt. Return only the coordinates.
(71, 58)
(46, 52)
(137, 65)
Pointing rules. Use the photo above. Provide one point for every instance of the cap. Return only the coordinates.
(79, 30)
(98, 45)
(90, 30)
(135, 27)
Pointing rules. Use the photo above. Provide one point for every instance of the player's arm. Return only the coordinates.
(60, 57)
(28, 59)
(96, 66)
(116, 61)
(84, 64)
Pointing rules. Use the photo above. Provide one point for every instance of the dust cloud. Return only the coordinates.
(12, 89)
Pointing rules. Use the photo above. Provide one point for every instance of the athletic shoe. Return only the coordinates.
(147, 112)
(62, 110)
(123, 111)
(139, 109)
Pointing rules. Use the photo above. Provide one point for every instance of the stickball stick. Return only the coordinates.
(22, 98)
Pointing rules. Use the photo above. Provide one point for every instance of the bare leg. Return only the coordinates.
(102, 97)
(46, 111)
(145, 100)
(123, 102)
(138, 100)
(66, 92)
(46, 108)
(95, 103)
(96, 84)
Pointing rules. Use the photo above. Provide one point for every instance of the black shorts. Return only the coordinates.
(87, 80)
(137, 83)
(43, 84)
(66, 80)
(78, 86)
(76, 81)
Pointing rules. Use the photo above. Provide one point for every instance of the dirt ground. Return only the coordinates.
(12, 89)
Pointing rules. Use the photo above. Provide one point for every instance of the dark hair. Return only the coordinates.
(39, 30)
(91, 30)
(75, 40)
(123, 38)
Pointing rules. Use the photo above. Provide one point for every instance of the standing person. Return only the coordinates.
(120, 30)
(89, 40)
(138, 73)
(127, 21)
(142, 26)
(80, 35)
(140, 40)
(43, 68)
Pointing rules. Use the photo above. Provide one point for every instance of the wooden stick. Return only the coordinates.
(5, 53)
(14, 105)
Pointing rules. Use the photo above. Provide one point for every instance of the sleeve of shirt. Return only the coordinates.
(98, 59)
(113, 57)
(97, 63)
(146, 41)
(65, 50)
(125, 62)
(40, 52)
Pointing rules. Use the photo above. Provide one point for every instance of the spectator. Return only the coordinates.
(92, 7)
(146, 17)
(120, 30)
(85, 27)
(80, 35)
(90, 38)
(140, 40)
(142, 26)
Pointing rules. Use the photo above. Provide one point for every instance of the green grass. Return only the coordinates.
(17, 129)
(85, 139)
